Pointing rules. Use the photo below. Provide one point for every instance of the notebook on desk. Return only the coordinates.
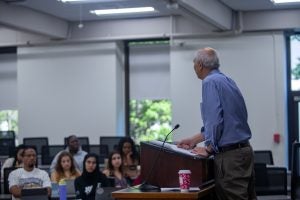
(34, 194)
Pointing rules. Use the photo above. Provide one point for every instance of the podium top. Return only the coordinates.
(173, 148)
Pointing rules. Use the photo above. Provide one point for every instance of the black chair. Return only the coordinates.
(6, 173)
(111, 141)
(49, 152)
(38, 142)
(295, 175)
(82, 141)
(8, 134)
(264, 157)
(101, 150)
(7, 146)
(270, 180)
(0, 178)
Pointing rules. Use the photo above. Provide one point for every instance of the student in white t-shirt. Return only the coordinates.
(29, 176)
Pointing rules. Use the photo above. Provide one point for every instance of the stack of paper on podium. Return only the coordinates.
(173, 147)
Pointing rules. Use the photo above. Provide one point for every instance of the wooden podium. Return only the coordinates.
(165, 171)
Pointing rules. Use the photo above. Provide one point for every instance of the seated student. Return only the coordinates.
(86, 184)
(114, 170)
(16, 161)
(28, 176)
(75, 150)
(130, 158)
(65, 168)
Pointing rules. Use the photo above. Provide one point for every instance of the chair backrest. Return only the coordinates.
(49, 152)
(111, 141)
(8, 134)
(264, 157)
(82, 140)
(270, 180)
(38, 142)
(6, 173)
(7, 146)
(101, 150)
(277, 180)
(295, 175)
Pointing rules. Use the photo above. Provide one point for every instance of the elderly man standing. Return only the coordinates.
(29, 176)
(75, 149)
(226, 131)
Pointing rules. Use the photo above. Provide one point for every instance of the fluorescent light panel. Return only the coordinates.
(122, 10)
(285, 1)
(80, 1)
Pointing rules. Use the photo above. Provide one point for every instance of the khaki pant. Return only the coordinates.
(234, 174)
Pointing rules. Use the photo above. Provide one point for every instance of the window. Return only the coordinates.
(150, 119)
(149, 90)
(9, 120)
(295, 62)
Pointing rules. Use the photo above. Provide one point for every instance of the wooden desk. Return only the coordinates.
(136, 194)
(5, 196)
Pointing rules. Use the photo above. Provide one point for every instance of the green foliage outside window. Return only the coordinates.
(150, 119)
(296, 69)
(9, 120)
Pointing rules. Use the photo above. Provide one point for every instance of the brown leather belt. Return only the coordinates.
(234, 146)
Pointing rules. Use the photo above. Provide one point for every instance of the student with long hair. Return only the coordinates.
(16, 161)
(115, 169)
(86, 184)
(130, 158)
(65, 168)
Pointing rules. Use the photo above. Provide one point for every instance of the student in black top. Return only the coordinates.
(86, 184)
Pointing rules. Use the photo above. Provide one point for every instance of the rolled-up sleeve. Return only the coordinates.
(212, 114)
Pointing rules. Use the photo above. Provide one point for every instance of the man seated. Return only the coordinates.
(75, 149)
(28, 176)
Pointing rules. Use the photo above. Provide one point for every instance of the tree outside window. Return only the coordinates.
(9, 120)
(150, 119)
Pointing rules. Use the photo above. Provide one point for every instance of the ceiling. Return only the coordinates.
(77, 12)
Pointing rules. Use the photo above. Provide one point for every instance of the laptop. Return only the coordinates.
(34, 194)
(106, 195)
(70, 187)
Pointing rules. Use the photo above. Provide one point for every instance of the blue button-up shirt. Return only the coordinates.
(224, 111)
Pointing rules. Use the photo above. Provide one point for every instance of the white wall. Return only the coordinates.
(256, 63)
(8, 81)
(69, 89)
(80, 88)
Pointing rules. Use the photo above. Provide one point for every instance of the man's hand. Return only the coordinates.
(188, 143)
(201, 151)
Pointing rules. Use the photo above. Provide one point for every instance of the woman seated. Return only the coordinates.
(130, 158)
(114, 170)
(65, 168)
(16, 161)
(86, 184)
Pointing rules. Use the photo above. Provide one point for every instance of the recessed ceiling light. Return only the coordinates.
(285, 1)
(122, 10)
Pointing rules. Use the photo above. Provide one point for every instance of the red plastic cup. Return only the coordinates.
(184, 180)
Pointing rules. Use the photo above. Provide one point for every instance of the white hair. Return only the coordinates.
(207, 57)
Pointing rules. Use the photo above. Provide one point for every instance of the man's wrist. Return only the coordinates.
(208, 151)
